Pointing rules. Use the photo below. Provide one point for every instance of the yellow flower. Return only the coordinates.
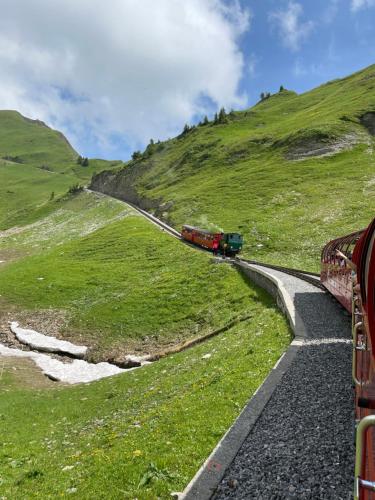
(137, 453)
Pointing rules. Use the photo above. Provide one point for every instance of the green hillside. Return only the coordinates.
(31, 142)
(92, 270)
(36, 164)
(142, 434)
(120, 283)
(289, 173)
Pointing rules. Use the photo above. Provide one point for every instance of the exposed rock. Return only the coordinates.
(127, 362)
(320, 146)
(122, 184)
(368, 121)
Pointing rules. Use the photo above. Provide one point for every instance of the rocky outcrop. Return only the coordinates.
(122, 185)
(368, 121)
(320, 145)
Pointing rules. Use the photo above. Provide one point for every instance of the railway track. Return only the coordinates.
(168, 229)
(311, 278)
(306, 276)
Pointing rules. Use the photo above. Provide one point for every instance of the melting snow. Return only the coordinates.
(46, 343)
(78, 371)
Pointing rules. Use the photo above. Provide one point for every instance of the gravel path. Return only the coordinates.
(302, 446)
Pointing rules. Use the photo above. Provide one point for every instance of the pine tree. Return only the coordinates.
(281, 88)
(262, 96)
(205, 120)
(137, 155)
(186, 129)
(85, 162)
(222, 116)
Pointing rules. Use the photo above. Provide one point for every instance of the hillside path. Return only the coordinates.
(302, 445)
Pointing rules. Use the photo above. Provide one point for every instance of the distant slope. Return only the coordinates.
(36, 164)
(31, 142)
(289, 173)
(119, 281)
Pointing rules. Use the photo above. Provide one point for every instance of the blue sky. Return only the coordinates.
(338, 41)
(111, 75)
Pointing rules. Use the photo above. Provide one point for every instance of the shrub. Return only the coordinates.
(137, 155)
(75, 189)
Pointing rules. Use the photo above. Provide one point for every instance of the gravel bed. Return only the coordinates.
(302, 446)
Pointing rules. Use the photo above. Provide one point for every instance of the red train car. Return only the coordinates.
(353, 283)
(364, 362)
(201, 237)
(336, 275)
(228, 244)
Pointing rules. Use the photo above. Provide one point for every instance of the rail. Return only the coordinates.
(307, 276)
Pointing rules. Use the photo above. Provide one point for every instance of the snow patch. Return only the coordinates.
(46, 343)
(76, 372)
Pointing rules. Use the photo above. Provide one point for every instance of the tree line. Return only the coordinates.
(220, 118)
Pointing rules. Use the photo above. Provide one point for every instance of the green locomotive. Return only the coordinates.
(224, 243)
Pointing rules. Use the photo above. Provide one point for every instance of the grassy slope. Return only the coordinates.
(34, 162)
(126, 285)
(236, 176)
(142, 434)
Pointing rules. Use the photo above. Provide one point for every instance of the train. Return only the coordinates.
(348, 272)
(227, 244)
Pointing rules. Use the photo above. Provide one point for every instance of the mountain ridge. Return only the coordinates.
(274, 164)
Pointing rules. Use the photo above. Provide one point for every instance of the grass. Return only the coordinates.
(142, 434)
(235, 176)
(25, 193)
(126, 286)
(36, 164)
(68, 218)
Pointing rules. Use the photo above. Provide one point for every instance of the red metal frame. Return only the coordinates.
(356, 291)
(364, 258)
(335, 275)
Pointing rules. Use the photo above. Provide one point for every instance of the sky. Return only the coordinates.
(112, 75)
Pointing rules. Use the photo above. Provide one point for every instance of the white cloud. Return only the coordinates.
(360, 4)
(291, 29)
(252, 64)
(331, 10)
(302, 69)
(129, 69)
